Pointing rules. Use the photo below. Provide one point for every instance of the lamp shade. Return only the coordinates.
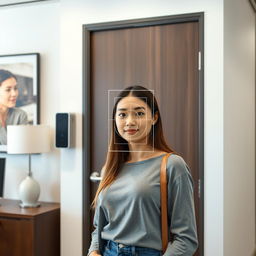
(28, 139)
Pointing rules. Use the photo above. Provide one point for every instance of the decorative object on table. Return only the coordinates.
(28, 139)
(21, 71)
(16, 2)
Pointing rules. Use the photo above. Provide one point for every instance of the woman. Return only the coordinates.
(9, 115)
(127, 216)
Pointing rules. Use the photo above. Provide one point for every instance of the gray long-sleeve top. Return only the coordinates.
(128, 212)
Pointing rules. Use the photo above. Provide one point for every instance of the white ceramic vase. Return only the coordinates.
(29, 192)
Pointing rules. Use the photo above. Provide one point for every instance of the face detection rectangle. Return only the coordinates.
(130, 121)
(19, 92)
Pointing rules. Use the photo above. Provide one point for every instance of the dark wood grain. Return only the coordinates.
(30, 231)
(16, 237)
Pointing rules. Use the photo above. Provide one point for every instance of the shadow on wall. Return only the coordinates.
(2, 174)
(254, 253)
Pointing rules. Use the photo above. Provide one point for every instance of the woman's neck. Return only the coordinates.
(3, 109)
(142, 152)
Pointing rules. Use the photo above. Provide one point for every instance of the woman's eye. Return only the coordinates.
(140, 114)
(10, 89)
(121, 115)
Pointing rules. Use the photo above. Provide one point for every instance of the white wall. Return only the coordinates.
(239, 128)
(36, 27)
(25, 29)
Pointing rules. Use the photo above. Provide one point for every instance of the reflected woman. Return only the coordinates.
(9, 114)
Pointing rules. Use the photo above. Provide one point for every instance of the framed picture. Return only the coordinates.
(15, 2)
(19, 92)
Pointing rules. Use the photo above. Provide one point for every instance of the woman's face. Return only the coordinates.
(8, 93)
(134, 120)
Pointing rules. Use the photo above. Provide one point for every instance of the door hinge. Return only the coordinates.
(199, 60)
(199, 188)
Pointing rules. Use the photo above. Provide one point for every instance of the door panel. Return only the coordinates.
(163, 58)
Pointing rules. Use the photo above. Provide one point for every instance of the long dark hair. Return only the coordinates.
(118, 150)
(5, 74)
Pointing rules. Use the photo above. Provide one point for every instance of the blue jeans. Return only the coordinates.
(116, 249)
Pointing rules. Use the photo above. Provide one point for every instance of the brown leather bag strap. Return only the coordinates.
(164, 203)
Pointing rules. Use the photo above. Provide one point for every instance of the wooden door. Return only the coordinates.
(162, 56)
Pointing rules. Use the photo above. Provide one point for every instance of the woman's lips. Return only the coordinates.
(131, 131)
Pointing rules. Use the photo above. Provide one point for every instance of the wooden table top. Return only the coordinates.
(10, 207)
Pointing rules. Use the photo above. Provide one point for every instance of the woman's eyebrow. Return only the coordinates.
(124, 109)
(138, 108)
(10, 86)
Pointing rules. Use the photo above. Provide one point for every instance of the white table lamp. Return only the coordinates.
(28, 139)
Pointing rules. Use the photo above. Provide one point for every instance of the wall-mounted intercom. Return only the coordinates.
(63, 130)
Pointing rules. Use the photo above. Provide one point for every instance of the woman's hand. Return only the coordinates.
(95, 253)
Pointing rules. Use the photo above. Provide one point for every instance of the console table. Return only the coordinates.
(29, 231)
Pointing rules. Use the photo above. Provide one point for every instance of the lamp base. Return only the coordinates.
(22, 205)
(29, 192)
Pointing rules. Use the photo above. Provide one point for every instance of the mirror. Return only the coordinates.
(19, 92)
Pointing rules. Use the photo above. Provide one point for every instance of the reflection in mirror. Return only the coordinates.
(18, 92)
